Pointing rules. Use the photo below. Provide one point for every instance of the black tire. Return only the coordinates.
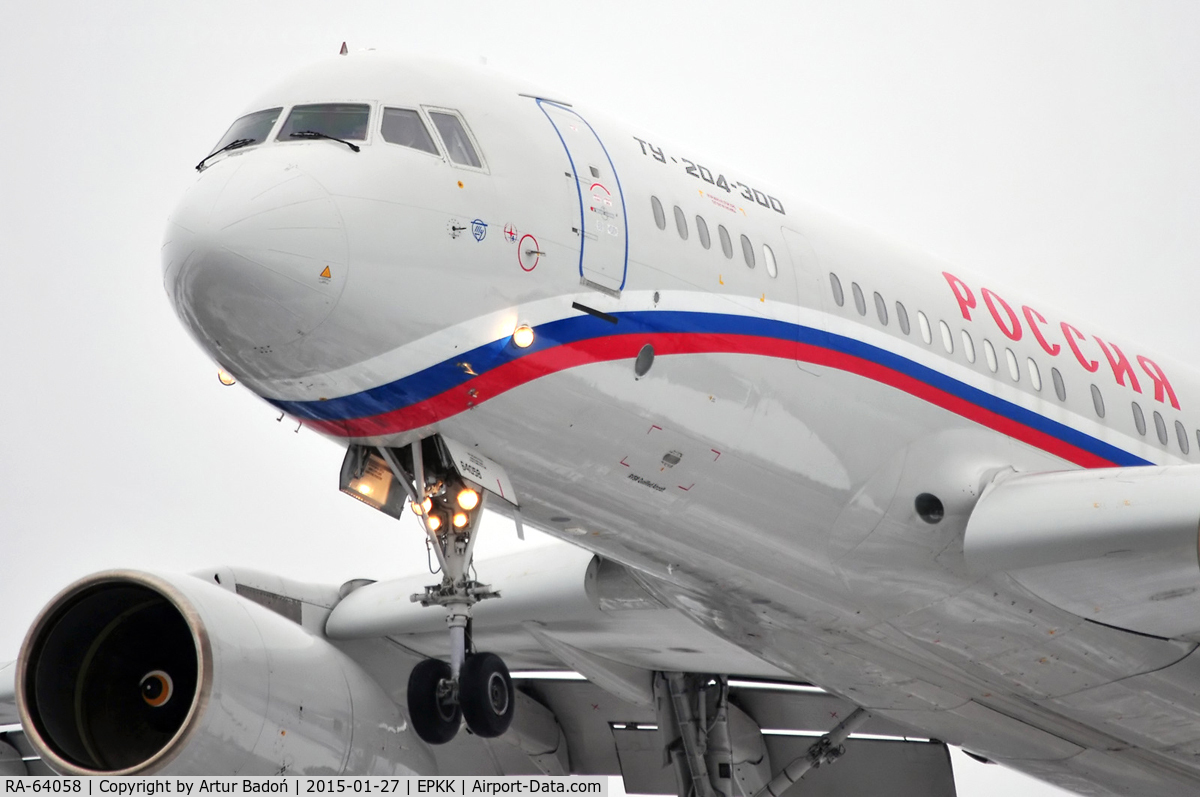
(485, 692)
(435, 719)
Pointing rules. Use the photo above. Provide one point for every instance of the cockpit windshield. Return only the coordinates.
(337, 120)
(253, 128)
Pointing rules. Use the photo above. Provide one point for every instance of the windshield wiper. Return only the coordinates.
(235, 144)
(315, 134)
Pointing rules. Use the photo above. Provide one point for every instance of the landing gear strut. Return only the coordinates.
(473, 686)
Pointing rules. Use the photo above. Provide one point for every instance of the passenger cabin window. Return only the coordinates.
(1160, 428)
(748, 251)
(681, 223)
(660, 218)
(702, 231)
(839, 297)
(968, 346)
(769, 259)
(1060, 387)
(947, 337)
(1182, 435)
(253, 128)
(1014, 370)
(902, 317)
(726, 243)
(454, 136)
(1139, 420)
(342, 120)
(989, 354)
(1035, 375)
(860, 301)
(923, 323)
(1097, 401)
(403, 126)
(881, 309)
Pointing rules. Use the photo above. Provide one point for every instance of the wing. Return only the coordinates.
(563, 607)
(8, 699)
(1115, 546)
(562, 610)
(11, 762)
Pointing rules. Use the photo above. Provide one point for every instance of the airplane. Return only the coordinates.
(829, 500)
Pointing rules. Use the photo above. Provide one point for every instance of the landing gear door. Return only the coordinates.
(485, 472)
(602, 228)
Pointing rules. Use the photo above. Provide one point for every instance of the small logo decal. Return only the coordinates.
(479, 229)
(325, 275)
(510, 233)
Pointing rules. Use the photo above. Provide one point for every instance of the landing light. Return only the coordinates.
(368, 478)
(523, 336)
(227, 379)
(460, 519)
(468, 499)
(423, 507)
(435, 522)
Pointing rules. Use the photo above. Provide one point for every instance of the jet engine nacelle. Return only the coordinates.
(134, 673)
(1117, 546)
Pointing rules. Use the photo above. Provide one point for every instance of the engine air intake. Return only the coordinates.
(112, 670)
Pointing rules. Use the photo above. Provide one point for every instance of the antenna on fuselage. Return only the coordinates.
(344, 49)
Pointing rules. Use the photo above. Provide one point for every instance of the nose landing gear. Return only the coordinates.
(475, 687)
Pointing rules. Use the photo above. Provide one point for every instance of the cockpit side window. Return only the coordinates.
(404, 127)
(334, 119)
(253, 127)
(454, 136)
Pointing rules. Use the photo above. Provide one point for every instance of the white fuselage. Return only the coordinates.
(767, 463)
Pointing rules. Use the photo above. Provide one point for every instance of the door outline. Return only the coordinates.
(579, 190)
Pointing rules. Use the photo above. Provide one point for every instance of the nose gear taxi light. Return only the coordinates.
(522, 336)
(468, 499)
(460, 519)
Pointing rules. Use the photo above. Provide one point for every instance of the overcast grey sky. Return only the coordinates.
(1050, 145)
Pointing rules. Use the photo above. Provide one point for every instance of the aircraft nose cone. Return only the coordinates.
(255, 258)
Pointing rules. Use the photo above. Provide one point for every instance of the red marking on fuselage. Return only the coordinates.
(653, 427)
(618, 347)
(1007, 321)
(718, 454)
(623, 462)
(686, 489)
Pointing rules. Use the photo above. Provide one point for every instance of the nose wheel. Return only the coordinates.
(432, 704)
(485, 694)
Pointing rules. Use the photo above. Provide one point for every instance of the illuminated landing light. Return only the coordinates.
(460, 519)
(468, 499)
(423, 507)
(365, 489)
(523, 336)
(435, 522)
(225, 377)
